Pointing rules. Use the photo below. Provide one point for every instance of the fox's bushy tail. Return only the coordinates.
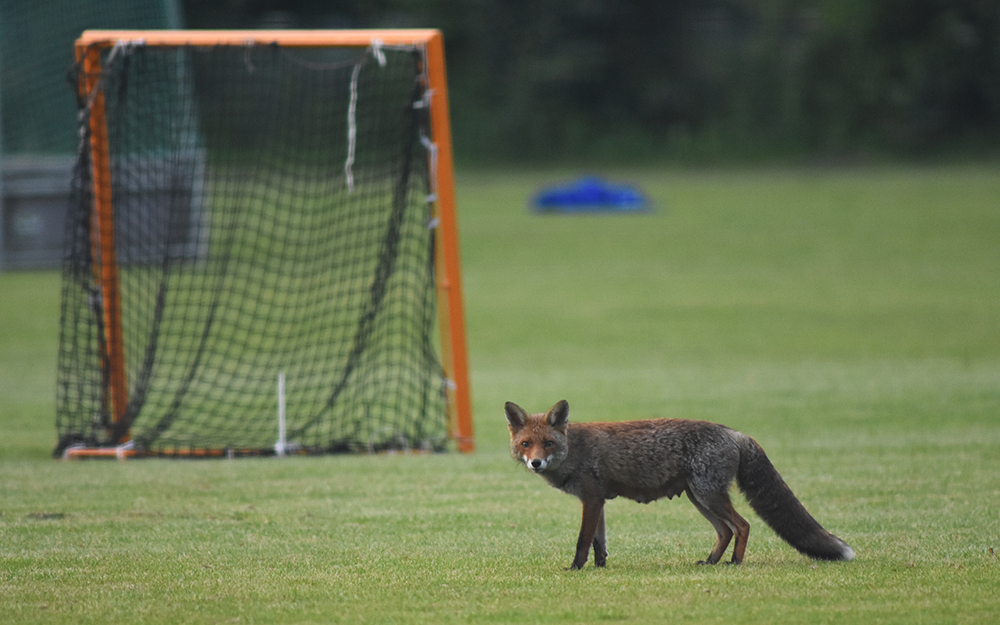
(774, 502)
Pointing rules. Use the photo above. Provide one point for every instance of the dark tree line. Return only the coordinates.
(691, 78)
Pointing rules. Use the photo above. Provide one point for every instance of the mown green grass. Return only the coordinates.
(849, 320)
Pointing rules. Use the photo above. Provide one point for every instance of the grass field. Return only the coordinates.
(847, 319)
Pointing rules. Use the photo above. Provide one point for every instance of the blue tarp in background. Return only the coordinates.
(589, 194)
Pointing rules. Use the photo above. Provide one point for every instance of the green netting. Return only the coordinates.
(271, 216)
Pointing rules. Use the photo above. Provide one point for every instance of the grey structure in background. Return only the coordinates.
(38, 134)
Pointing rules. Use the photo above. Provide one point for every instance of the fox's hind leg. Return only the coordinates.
(742, 529)
(719, 511)
(723, 532)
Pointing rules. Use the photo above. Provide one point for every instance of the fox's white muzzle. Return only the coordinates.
(537, 464)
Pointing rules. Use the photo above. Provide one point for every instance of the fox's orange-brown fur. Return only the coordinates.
(648, 460)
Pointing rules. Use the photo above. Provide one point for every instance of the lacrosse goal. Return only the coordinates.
(261, 253)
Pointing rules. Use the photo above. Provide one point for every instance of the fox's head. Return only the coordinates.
(538, 440)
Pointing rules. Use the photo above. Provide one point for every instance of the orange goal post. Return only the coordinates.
(123, 360)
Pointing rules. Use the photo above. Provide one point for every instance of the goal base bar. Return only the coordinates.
(126, 452)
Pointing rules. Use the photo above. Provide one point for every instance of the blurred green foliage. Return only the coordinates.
(693, 80)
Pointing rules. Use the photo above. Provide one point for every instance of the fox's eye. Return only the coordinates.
(549, 443)
(525, 444)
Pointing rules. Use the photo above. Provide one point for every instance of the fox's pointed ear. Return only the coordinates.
(516, 416)
(558, 416)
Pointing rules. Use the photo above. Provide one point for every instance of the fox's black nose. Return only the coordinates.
(536, 463)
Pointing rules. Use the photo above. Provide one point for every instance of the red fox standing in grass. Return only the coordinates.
(647, 460)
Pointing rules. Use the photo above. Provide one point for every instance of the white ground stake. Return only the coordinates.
(279, 447)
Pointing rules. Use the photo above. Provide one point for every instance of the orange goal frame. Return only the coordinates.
(454, 356)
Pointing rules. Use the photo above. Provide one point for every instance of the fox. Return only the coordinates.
(650, 459)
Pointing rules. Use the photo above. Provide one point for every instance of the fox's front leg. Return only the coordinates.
(601, 542)
(593, 516)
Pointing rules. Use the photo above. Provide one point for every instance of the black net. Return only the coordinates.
(271, 218)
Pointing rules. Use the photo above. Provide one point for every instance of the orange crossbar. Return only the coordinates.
(449, 280)
(290, 38)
